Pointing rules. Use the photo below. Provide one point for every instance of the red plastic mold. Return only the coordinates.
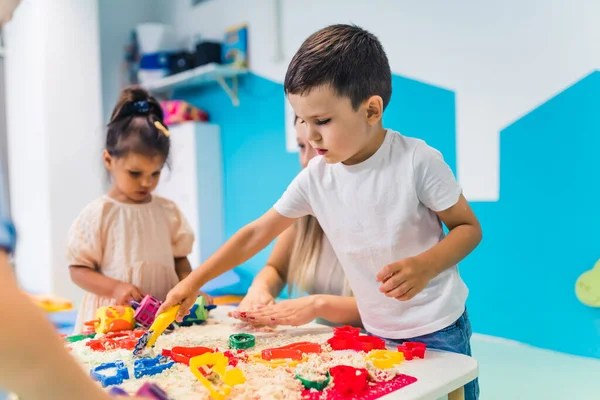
(125, 340)
(183, 354)
(292, 351)
(412, 350)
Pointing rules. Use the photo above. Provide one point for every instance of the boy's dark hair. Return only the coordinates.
(348, 58)
(132, 126)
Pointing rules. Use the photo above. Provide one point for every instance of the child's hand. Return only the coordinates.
(404, 279)
(294, 312)
(124, 292)
(183, 293)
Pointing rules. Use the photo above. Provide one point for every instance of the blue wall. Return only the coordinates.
(537, 239)
(543, 233)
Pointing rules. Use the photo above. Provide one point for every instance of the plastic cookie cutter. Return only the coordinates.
(346, 330)
(275, 363)
(316, 385)
(411, 350)
(241, 341)
(121, 373)
(198, 313)
(151, 366)
(364, 343)
(235, 358)
(184, 354)
(294, 351)
(145, 311)
(385, 359)
(159, 325)
(112, 319)
(210, 364)
(78, 338)
(349, 381)
(125, 340)
(148, 390)
(152, 391)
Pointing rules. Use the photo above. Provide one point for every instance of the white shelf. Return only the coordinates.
(200, 76)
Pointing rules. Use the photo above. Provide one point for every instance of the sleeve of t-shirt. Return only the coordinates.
(435, 183)
(294, 202)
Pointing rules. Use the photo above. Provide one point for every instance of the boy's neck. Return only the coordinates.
(378, 136)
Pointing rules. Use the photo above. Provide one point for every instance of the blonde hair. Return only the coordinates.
(305, 257)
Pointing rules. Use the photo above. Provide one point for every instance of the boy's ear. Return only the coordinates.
(374, 108)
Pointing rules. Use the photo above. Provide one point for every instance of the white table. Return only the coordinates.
(441, 373)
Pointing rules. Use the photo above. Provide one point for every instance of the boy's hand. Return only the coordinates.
(124, 292)
(183, 293)
(404, 279)
(294, 312)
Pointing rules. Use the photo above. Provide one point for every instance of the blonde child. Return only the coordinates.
(380, 197)
(129, 242)
(304, 259)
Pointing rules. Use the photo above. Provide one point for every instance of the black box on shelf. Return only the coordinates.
(206, 53)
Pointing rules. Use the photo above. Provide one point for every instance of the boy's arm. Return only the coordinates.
(239, 248)
(439, 191)
(463, 237)
(406, 278)
(29, 346)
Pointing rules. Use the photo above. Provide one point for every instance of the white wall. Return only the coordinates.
(117, 18)
(54, 132)
(501, 58)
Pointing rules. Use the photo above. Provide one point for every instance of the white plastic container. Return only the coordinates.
(154, 38)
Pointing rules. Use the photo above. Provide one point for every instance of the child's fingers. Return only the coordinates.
(137, 295)
(184, 310)
(168, 303)
(387, 272)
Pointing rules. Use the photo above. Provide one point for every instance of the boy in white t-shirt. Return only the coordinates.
(380, 197)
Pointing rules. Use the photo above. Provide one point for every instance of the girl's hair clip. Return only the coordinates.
(138, 107)
(162, 128)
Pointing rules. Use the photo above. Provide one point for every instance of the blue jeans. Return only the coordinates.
(455, 338)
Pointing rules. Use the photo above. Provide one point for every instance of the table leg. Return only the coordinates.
(458, 394)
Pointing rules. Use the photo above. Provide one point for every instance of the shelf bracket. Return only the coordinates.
(232, 91)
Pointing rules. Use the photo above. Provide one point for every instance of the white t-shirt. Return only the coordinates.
(378, 212)
(329, 275)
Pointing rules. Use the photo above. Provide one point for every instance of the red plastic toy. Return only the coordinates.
(183, 354)
(349, 381)
(235, 357)
(412, 350)
(125, 340)
(346, 330)
(348, 338)
(292, 351)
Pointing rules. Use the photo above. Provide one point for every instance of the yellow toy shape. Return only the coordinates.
(385, 359)
(114, 319)
(280, 362)
(161, 323)
(218, 364)
(587, 287)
